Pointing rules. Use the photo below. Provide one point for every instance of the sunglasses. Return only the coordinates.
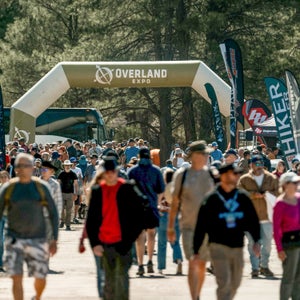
(259, 164)
(44, 169)
(23, 166)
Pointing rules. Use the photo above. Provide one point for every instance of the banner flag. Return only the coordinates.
(294, 99)
(217, 119)
(255, 112)
(280, 104)
(2, 134)
(232, 57)
(233, 125)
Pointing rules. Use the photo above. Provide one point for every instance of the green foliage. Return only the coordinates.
(36, 34)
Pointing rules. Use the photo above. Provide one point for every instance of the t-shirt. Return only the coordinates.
(196, 185)
(131, 152)
(78, 172)
(67, 181)
(217, 154)
(259, 179)
(90, 172)
(110, 229)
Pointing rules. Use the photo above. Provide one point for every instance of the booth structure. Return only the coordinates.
(66, 75)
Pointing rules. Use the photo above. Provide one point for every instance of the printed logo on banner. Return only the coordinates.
(105, 75)
(280, 104)
(257, 115)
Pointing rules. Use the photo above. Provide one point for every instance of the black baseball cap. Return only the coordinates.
(227, 167)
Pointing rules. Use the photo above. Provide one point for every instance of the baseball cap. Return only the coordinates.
(178, 151)
(55, 155)
(144, 153)
(109, 163)
(289, 177)
(73, 159)
(256, 158)
(227, 167)
(214, 144)
(47, 164)
(295, 160)
(231, 152)
(131, 140)
(68, 140)
(198, 146)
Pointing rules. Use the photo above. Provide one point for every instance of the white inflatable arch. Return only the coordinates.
(66, 75)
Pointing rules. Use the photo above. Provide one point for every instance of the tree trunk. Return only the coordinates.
(165, 134)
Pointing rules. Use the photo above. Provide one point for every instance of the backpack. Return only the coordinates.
(44, 203)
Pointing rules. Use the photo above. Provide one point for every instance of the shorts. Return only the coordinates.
(188, 241)
(35, 252)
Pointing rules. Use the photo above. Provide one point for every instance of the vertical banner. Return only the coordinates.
(2, 133)
(233, 125)
(232, 57)
(294, 100)
(217, 119)
(280, 104)
(255, 112)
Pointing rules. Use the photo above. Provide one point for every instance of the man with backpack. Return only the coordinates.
(30, 209)
(189, 188)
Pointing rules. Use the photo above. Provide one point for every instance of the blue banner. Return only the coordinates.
(278, 96)
(217, 119)
(2, 134)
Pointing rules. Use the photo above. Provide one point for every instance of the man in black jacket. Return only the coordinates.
(225, 215)
(114, 221)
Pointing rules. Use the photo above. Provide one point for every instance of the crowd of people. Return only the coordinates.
(202, 197)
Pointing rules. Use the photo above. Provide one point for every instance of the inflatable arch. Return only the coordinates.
(67, 75)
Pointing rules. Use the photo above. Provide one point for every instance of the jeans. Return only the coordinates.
(100, 275)
(116, 267)
(162, 242)
(2, 235)
(266, 234)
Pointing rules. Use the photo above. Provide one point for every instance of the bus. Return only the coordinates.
(80, 124)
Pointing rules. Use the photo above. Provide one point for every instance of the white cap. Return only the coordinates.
(288, 177)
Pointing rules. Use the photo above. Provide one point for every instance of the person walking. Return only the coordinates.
(25, 199)
(69, 187)
(286, 228)
(90, 170)
(190, 185)
(4, 177)
(225, 215)
(263, 188)
(114, 221)
(149, 179)
(164, 207)
(48, 171)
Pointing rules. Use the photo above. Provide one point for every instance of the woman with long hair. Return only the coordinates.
(99, 268)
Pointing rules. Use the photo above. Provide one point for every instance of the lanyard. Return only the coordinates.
(230, 204)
